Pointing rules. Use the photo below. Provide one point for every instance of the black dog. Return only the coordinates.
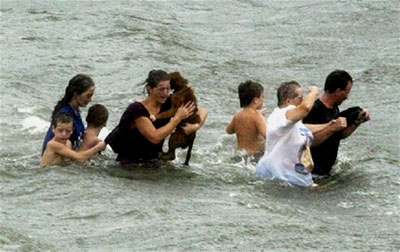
(351, 114)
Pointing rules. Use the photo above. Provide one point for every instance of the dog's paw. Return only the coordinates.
(166, 156)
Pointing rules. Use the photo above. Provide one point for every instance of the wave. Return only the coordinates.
(35, 125)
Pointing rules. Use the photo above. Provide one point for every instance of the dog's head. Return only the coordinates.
(177, 81)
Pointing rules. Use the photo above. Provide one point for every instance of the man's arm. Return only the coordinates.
(362, 118)
(300, 111)
(321, 132)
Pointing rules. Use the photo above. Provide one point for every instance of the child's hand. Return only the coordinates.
(313, 89)
(101, 145)
(263, 111)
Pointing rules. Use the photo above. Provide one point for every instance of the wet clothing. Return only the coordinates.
(130, 145)
(286, 150)
(325, 154)
(79, 128)
(351, 114)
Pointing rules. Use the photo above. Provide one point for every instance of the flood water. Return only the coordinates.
(216, 203)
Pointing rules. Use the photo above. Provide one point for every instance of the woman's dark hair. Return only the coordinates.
(337, 79)
(287, 90)
(248, 91)
(154, 78)
(77, 85)
(97, 115)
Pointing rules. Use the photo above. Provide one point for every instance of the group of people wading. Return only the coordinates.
(297, 142)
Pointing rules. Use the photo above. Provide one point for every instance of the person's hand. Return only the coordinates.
(362, 117)
(339, 123)
(101, 145)
(189, 128)
(313, 89)
(185, 111)
(263, 111)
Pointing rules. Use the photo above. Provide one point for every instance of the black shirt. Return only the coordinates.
(324, 155)
(128, 142)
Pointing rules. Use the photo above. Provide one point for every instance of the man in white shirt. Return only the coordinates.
(287, 156)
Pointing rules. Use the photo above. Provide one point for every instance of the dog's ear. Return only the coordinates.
(174, 75)
(177, 81)
(173, 82)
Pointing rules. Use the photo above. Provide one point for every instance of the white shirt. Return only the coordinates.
(285, 144)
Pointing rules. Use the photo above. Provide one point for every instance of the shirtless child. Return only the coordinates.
(59, 149)
(96, 119)
(248, 124)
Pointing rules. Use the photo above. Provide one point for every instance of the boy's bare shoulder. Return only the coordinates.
(247, 115)
(51, 155)
(54, 145)
(90, 139)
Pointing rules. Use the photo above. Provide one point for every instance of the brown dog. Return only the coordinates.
(182, 94)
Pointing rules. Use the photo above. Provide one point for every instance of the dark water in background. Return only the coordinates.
(216, 203)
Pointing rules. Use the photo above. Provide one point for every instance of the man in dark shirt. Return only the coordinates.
(324, 150)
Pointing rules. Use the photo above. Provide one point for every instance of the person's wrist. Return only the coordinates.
(176, 120)
(334, 125)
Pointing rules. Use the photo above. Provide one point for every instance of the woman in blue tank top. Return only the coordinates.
(78, 93)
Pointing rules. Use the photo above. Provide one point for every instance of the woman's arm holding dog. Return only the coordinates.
(189, 128)
(163, 115)
(153, 135)
(176, 102)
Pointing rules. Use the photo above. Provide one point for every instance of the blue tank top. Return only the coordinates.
(77, 134)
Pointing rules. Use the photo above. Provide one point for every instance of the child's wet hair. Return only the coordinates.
(62, 117)
(97, 115)
(248, 91)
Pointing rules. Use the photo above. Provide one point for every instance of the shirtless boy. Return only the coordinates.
(59, 149)
(96, 119)
(248, 124)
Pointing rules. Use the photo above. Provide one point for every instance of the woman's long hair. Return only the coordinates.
(76, 86)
